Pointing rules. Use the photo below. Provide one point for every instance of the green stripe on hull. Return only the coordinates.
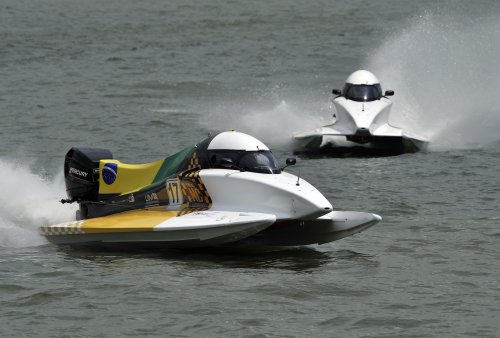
(170, 165)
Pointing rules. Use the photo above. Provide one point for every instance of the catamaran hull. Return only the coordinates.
(257, 235)
(348, 144)
(330, 227)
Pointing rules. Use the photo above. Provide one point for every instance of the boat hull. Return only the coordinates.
(261, 232)
(353, 144)
(200, 229)
(328, 228)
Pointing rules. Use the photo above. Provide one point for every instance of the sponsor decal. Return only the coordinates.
(151, 197)
(109, 172)
(194, 192)
(78, 172)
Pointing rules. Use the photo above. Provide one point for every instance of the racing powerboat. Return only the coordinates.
(226, 190)
(360, 123)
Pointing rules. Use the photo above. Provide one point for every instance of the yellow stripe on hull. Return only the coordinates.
(128, 221)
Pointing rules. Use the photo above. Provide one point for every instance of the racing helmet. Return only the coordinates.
(235, 150)
(362, 86)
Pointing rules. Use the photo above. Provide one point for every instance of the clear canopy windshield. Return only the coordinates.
(262, 161)
(362, 93)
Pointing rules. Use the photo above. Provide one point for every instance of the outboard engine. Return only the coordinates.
(81, 172)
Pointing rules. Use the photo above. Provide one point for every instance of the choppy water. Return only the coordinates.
(144, 79)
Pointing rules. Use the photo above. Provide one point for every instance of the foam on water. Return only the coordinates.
(27, 201)
(444, 70)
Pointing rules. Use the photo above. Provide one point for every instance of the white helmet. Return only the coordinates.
(235, 150)
(234, 140)
(362, 86)
(362, 77)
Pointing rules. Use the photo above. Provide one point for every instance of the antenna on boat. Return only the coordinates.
(298, 178)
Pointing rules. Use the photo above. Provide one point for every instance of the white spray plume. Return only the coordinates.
(28, 201)
(272, 123)
(444, 70)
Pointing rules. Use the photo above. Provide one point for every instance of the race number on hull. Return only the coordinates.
(174, 193)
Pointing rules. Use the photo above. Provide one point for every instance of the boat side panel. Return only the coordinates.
(283, 195)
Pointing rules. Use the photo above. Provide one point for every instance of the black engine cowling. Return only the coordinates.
(81, 172)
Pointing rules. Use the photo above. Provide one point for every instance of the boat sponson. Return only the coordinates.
(142, 228)
(331, 227)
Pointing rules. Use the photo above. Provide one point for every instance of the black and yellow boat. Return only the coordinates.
(227, 189)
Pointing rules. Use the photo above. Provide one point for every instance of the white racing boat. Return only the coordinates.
(360, 123)
(226, 190)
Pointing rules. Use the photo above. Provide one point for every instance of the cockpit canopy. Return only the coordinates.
(362, 86)
(363, 92)
(234, 150)
(260, 161)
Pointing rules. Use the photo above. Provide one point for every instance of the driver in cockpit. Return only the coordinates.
(362, 86)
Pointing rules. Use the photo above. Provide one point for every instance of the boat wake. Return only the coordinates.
(444, 70)
(273, 121)
(27, 201)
